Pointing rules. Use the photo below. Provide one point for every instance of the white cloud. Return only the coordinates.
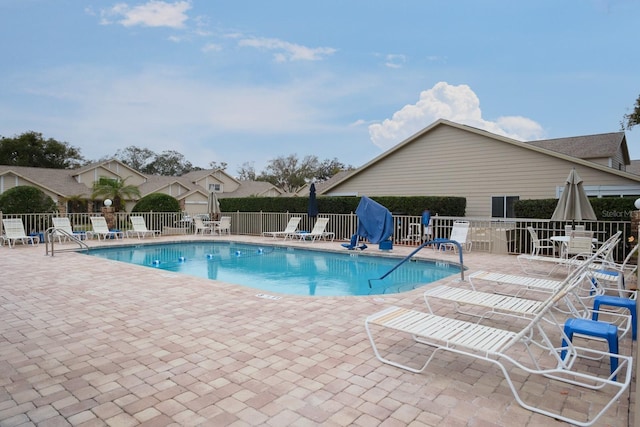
(456, 103)
(212, 47)
(395, 61)
(285, 51)
(151, 14)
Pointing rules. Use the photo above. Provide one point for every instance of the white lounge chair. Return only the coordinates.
(101, 229)
(318, 231)
(223, 226)
(140, 228)
(290, 229)
(531, 264)
(609, 272)
(529, 283)
(577, 302)
(14, 231)
(62, 229)
(460, 234)
(528, 348)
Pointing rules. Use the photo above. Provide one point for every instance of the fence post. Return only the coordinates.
(635, 221)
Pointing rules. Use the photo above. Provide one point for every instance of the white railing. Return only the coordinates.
(487, 234)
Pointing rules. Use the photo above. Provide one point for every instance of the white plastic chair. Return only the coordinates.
(540, 244)
(460, 234)
(223, 226)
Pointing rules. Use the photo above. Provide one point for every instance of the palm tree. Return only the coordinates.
(115, 189)
(76, 204)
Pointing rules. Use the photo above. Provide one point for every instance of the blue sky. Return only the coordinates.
(247, 81)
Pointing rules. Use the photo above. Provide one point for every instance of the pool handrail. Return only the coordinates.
(49, 239)
(427, 243)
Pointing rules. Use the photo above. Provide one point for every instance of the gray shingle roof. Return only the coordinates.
(60, 181)
(588, 146)
(250, 188)
(634, 167)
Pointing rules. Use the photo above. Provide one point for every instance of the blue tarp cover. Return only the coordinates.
(375, 222)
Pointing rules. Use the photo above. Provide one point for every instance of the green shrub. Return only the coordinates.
(157, 202)
(25, 199)
(448, 206)
(605, 208)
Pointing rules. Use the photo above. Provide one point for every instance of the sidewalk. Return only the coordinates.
(89, 342)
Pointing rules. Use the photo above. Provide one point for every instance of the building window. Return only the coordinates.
(502, 206)
(216, 188)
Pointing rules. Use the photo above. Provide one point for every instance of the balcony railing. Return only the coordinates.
(506, 236)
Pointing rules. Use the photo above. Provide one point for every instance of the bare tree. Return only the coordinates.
(247, 172)
(632, 119)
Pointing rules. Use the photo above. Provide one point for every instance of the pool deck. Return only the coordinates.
(90, 342)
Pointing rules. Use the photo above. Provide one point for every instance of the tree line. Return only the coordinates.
(286, 172)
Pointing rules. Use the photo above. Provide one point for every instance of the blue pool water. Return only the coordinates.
(284, 270)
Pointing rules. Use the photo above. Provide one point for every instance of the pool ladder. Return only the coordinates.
(52, 232)
(418, 249)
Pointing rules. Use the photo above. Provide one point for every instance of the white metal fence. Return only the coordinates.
(486, 234)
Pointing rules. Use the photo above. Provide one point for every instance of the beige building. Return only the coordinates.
(492, 171)
(444, 159)
(191, 190)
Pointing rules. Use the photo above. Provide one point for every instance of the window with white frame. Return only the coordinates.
(502, 206)
(216, 188)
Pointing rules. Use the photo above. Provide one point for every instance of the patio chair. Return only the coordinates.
(223, 226)
(569, 228)
(14, 231)
(318, 231)
(291, 228)
(580, 244)
(540, 244)
(140, 228)
(101, 229)
(422, 231)
(200, 227)
(460, 234)
(527, 348)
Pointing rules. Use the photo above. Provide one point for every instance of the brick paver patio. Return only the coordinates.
(89, 342)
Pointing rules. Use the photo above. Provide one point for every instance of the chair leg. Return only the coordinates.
(615, 301)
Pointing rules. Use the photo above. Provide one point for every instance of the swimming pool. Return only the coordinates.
(284, 270)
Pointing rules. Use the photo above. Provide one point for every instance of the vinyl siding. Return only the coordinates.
(448, 161)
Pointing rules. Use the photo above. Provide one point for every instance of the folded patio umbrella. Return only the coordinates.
(312, 209)
(573, 204)
(213, 206)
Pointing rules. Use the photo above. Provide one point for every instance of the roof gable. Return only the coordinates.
(112, 165)
(446, 123)
(218, 174)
